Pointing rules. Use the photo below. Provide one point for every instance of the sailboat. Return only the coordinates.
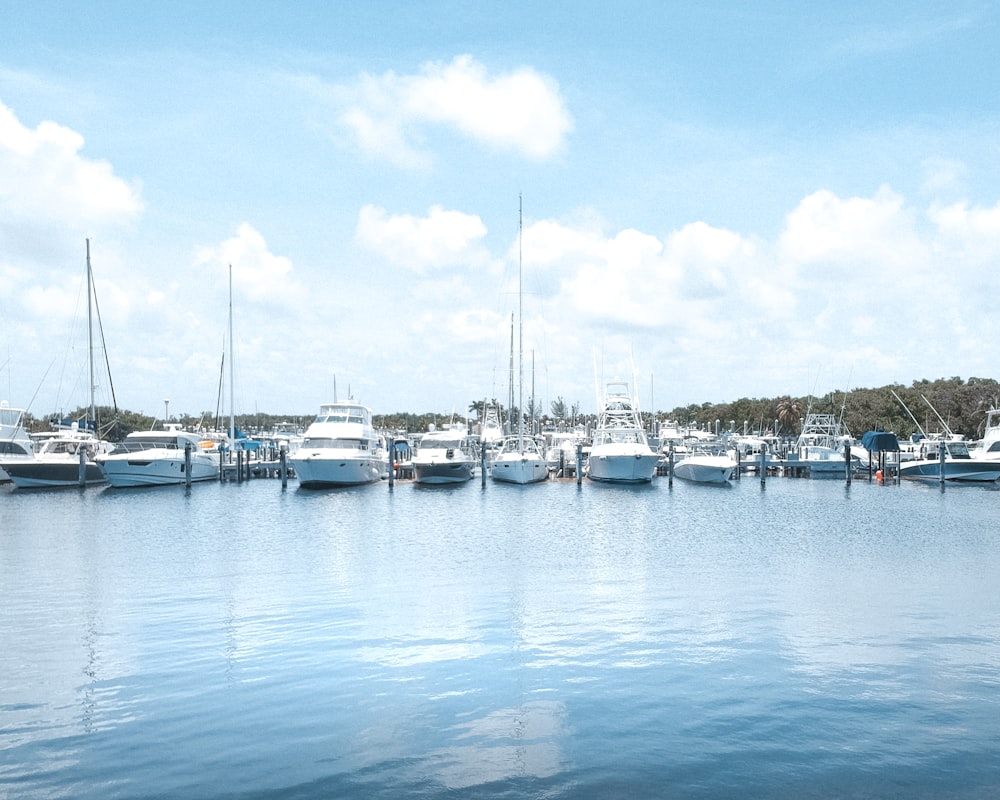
(520, 460)
(68, 457)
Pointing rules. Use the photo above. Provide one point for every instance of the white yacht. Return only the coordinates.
(159, 458)
(67, 458)
(519, 460)
(340, 448)
(15, 443)
(959, 465)
(702, 465)
(445, 455)
(620, 452)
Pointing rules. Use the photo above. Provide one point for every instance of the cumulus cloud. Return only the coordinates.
(856, 232)
(443, 238)
(46, 182)
(258, 274)
(520, 111)
(975, 232)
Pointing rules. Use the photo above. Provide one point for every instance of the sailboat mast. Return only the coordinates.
(520, 330)
(232, 368)
(90, 337)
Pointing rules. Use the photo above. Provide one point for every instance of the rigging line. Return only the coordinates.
(104, 344)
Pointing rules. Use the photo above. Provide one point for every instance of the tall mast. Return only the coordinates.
(232, 369)
(90, 338)
(520, 332)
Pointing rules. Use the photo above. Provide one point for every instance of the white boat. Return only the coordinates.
(160, 458)
(445, 455)
(620, 452)
(66, 459)
(67, 456)
(340, 448)
(819, 450)
(704, 466)
(519, 459)
(15, 442)
(946, 455)
(958, 466)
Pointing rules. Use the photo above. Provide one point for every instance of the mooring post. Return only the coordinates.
(670, 466)
(283, 465)
(847, 461)
(187, 465)
(392, 461)
(579, 464)
(762, 468)
(942, 450)
(83, 466)
(482, 464)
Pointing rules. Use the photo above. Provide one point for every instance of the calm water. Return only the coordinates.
(550, 641)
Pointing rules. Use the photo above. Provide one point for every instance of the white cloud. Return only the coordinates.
(46, 183)
(258, 274)
(519, 111)
(975, 232)
(855, 233)
(441, 239)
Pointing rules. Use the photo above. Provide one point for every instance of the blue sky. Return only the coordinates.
(720, 200)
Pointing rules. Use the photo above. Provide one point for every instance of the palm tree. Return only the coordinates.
(789, 413)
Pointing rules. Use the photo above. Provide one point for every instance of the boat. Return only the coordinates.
(340, 448)
(950, 459)
(67, 456)
(519, 459)
(946, 456)
(445, 455)
(160, 457)
(620, 452)
(15, 442)
(705, 466)
(820, 449)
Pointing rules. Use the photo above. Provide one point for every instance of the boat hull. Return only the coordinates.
(40, 474)
(520, 470)
(319, 471)
(157, 469)
(710, 469)
(442, 471)
(957, 471)
(634, 467)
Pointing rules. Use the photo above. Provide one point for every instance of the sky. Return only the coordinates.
(710, 201)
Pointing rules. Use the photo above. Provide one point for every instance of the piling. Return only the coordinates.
(942, 450)
(847, 461)
(283, 465)
(670, 466)
(83, 466)
(482, 465)
(392, 461)
(579, 464)
(762, 468)
(187, 465)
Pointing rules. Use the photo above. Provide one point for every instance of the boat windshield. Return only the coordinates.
(325, 443)
(343, 415)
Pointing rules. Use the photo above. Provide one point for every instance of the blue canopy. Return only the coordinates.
(880, 442)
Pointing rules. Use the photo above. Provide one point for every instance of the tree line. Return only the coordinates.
(927, 405)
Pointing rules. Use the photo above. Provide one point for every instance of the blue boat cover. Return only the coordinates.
(880, 442)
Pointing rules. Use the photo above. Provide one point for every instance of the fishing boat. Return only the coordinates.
(519, 460)
(340, 448)
(946, 456)
(620, 452)
(445, 455)
(705, 466)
